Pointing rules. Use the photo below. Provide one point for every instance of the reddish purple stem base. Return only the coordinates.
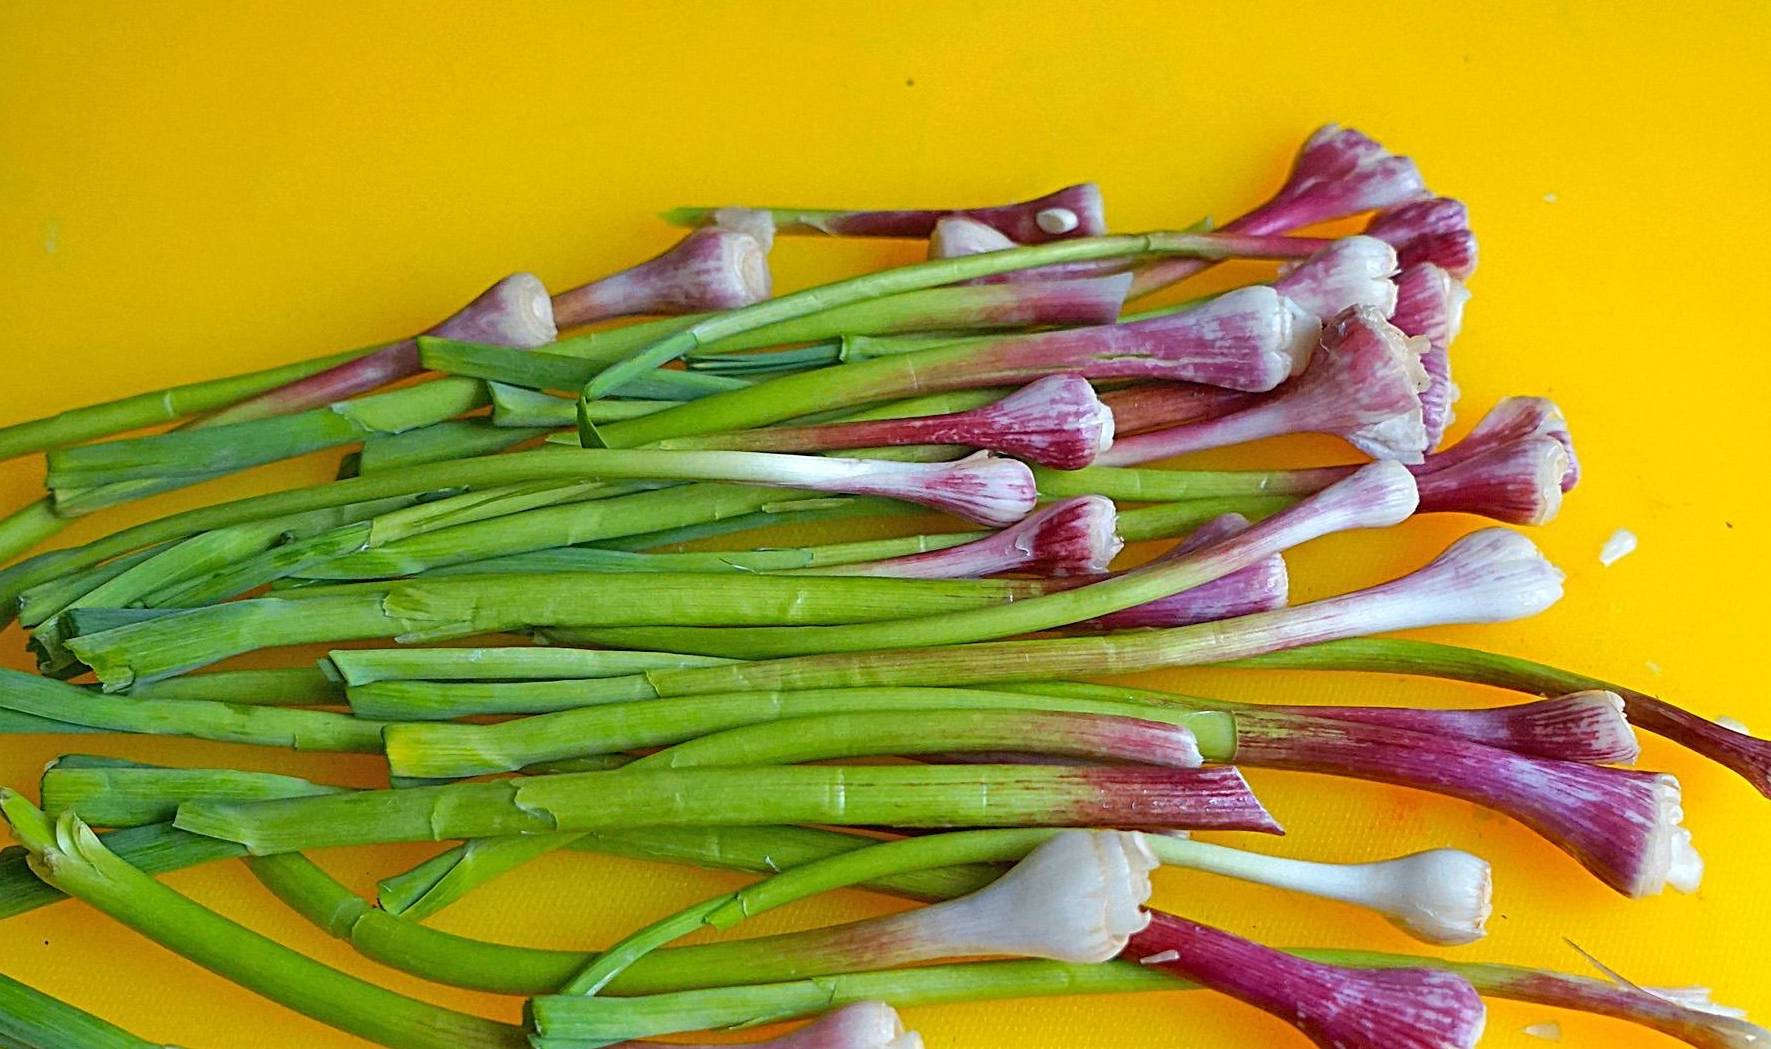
(1335, 1006)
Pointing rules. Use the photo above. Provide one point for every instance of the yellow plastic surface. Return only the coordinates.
(191, 190)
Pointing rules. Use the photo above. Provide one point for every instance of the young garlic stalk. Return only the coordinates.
(1513, 467)
(1337, 172)
(1074, 211)
(908, 796)
(1379, 494)
(1076, 897)
(1258, 588)
(1187, 339)
(1336, 1007)
(55, 706)
(70, 857)
(1056, 421)
(961, 308)
(1073, 537)
(1249, 339)
(31, 1019)
(152, 408)
(1747, 755)
(111, 792)
(1435, 231)
(1430, 304)
(513, 312)
(1489, 576)
(128, 647)
(1622, 825)
(1588, 726)
(1363, 385)
(465, 475)
(710, 269)
(983, 981)
(288, 421)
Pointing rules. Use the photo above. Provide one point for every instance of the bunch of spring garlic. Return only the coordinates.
(993, 412)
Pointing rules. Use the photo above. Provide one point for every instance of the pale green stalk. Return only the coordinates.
(789, 559)
(370, 665)
(74, 860)
(264, 726)
(41, 603)
(862, 734)
(28, 527)
(898, 795)
(157, 406)
(30, 1019)
(276, 687)
(162, 578)
(461, 606)
(544, 369)
(521, 407)
(207, 450)
(552, 521)
(439, 442)
(770, 515)
(444, 750)
(112, 792)
(486, 472)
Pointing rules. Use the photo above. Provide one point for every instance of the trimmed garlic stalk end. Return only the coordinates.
(1353, 271)
(1442, 896)
(1076, 898)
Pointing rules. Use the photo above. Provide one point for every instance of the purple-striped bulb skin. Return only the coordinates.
(1513, 419)
(1364, 386)
(712, 268)
(1435, 230)
(1077, 537)
(1494, 575)
(1430, 303)
(1057, 421)
(1256, 338)
(982, 487)
(1353, 271)
(514, 312)
(1517, 483)
(1588, 727)
(862, 1025)
(1585, 726)
(1337, 172)
(1623, 825)
(1335, 1006)
(1260, 587)
(1376, 495)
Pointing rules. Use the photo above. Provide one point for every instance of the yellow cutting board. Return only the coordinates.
(191, 190)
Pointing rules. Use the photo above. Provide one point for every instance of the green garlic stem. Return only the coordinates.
(74, 860)
(30, 1019)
